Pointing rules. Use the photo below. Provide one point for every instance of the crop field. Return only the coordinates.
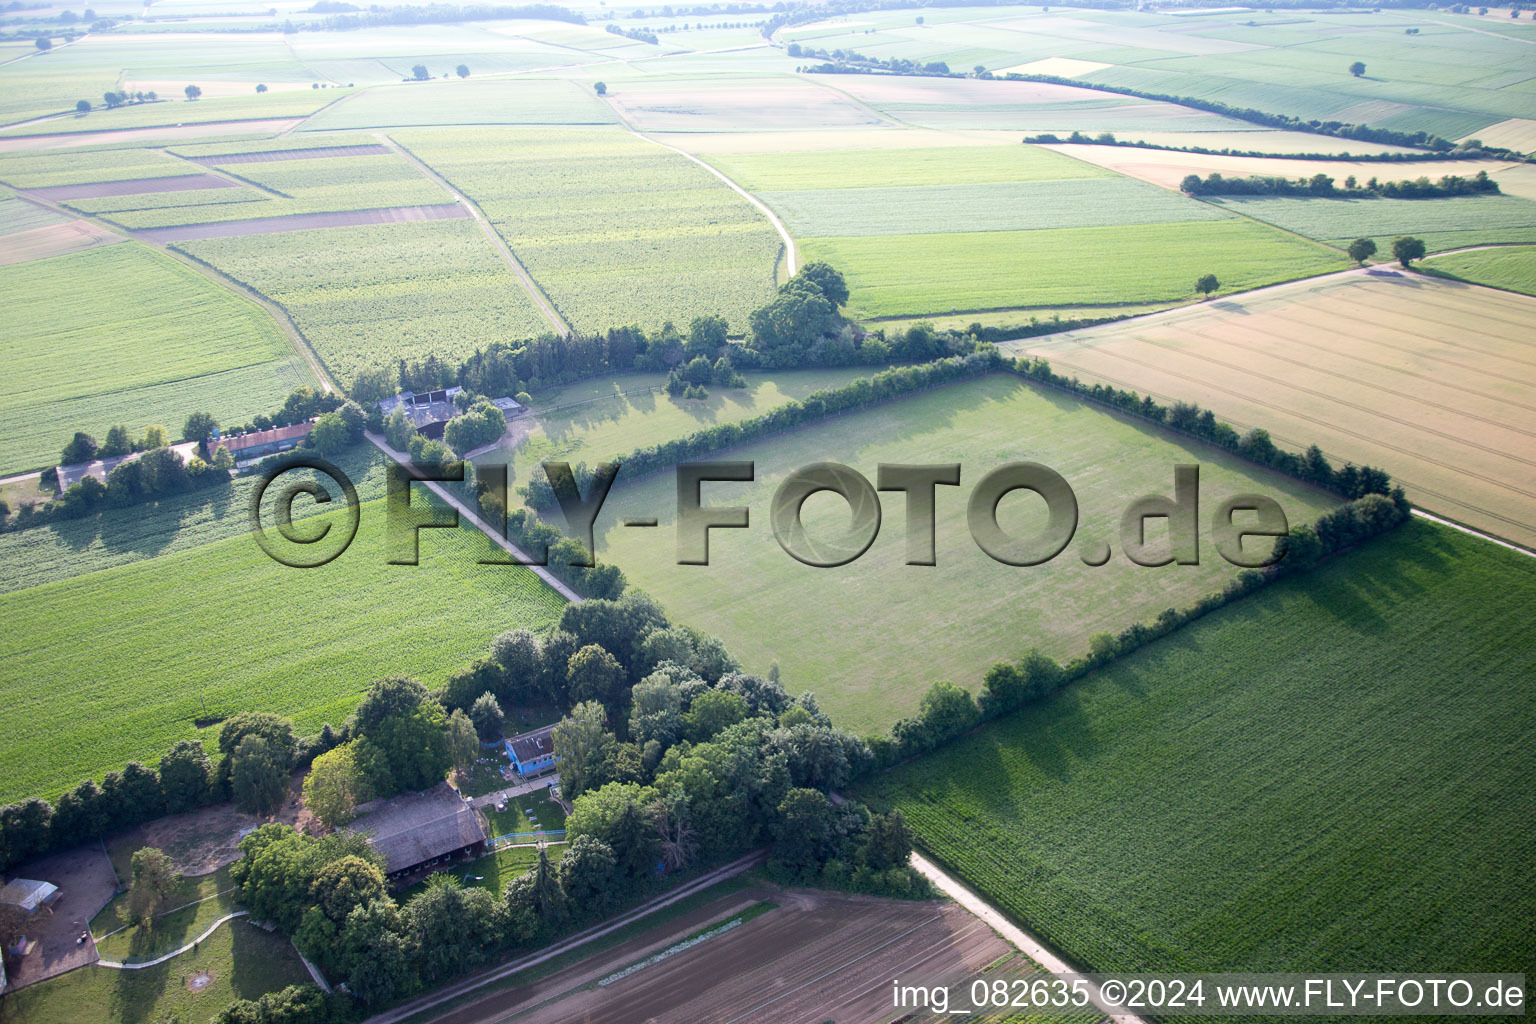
(520, 101)
(712, 105)
(1003, 206)
(852, 168)
(321, 185)
(366, 296)
(76, 167)
(241, 960)
(1442, 223)
(1428, 379)
(641, 235)
(612, 416)
(892, 275)
(161, 342)
(178, 111)
(80, 662)
(1512, 268)
(847, 633)
(1302, 752)
(119, 536)
(20, 215)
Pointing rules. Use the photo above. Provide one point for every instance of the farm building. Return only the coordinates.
(420, 830)
(428, 411)
(257, 444)
(533, 752)
(510, 407)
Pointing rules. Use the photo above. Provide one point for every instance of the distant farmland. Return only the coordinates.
(1322, 755)
(1441, 223)
(158, 342)
(118, 664)
(847, 633)
(1430, 379)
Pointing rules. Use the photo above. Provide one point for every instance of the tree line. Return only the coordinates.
(1472, 149)
(1321, 185)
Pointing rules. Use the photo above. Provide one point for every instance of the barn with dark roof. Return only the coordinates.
(416, 831)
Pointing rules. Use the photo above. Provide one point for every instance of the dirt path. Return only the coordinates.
(464, 511)
(546, 308)
(1027, 943)
(791, 258)
(157, 961)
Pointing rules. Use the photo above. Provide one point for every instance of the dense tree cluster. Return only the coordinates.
(1472, 149)
(1321, 185)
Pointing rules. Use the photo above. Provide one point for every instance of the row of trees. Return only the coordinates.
(1321, 185)
(1472, 149)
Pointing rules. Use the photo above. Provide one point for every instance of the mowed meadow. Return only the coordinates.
(1342, 757)
(871, 636)
(127, 660)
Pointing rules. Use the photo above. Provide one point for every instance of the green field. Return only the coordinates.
(174, 111)
(1001, 206)
(20, 215)
(189, 911)
(242, 961)
(93, 657)
(940, 165)
(866, 636)
(1442, 223)
(1344, 758)
(1512, 268)
(640, 236)
(367, 296)
(521, 101)
(76, 167)
(596, 420)
(158, 341)
(895, 275)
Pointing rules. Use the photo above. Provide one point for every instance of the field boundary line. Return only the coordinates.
(1490, 538)
(544, 303)
(1030, 946)
(117, 966)
(284, 322)
(791, 257)
(422, 1004)
(542, 572)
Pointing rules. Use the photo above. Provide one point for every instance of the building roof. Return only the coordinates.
(534, 745)
(237, 443)
(28, 893)
(509, 406)
(425, 408)
(417, 827)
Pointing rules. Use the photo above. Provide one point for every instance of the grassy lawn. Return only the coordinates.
(89, 657)
(595, 420)
(240, 961)
(494, 871)
(1512, 268)
(196, 904)
(160, 341)
(896, 275)
(847, 633)
(1343, 757)
(531, 812)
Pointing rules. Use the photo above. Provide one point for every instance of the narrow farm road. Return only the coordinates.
(546, 308)
(791, 259)
(1027, 943)
(426, 1003)
(464, 511)
(116, 966)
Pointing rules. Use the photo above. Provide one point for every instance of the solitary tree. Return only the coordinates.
(193, 92)
(257, 776)
(82, 448)
(199, 427)
(330, 434)
(462, 745)
(420, 73)
(1362, 249)
(1357, 68)
(154, 880)
(601, 88)
(44, 43)
(83, 107)
(462, 70)
(487, 716)
(1407, 249)
(333, 786)
(1207, 284)
(261, 88)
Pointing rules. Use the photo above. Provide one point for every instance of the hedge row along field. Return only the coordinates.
(366, 296)
(158, 341)
(847, 633)
(1323, 755)
(641, 236)
(118, 664)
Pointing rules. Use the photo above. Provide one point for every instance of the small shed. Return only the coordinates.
(30, 894)
(532, 752)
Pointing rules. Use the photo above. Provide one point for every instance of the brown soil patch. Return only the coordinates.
(199, 981)
(133, 187)
(53, 240)
(200, 842)
(86, 883)
(305, 221)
